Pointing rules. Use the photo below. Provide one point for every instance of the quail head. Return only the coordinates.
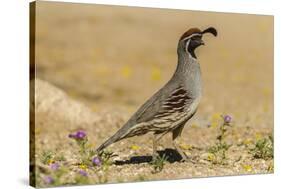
(175, 103)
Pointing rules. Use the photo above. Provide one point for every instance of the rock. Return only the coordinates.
(55, 104)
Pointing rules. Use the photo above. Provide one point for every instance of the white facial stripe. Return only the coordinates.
(186, 45)
(188, 40)
(192, 35)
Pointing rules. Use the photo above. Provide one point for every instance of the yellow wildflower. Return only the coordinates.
(210, 157)
(215, 120)
(258, 136)
(135, 147)
(156, 74)
(247, 168)
(83, 166)
(50, 161)
(194, 125)
(247, 141)
(185, 146)
(126, 71)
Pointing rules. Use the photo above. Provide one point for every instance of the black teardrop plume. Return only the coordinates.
(210, 30)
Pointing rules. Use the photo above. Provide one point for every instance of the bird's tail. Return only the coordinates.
(116, 137)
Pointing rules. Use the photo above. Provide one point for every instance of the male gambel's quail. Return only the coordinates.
(174, 104)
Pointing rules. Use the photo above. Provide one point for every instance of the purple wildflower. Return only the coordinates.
(83, 173)
(48, 179)
(227, 119)
(78, 135)
(54, 166)
(96, 160)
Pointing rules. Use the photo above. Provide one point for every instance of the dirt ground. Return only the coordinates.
(95, 65)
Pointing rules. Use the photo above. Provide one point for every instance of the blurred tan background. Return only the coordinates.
(114, 58)
(105, 61)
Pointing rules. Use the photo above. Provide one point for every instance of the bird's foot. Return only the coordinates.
(187, 159)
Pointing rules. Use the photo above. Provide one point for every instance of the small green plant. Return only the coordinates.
(158, 163)
(89, 159)
(54, 172)
(106, 157)
(263, 148)
(53, 175)
(47, 157)
(82, 177)
(60, 157)
(85, 152)
(102, 163)
(217, 153)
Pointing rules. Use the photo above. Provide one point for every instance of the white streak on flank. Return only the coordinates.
(176, 96)
(177, 102)
(178, 89)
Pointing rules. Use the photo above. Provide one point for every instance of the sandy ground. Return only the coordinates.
(99, 64)
(58, 115)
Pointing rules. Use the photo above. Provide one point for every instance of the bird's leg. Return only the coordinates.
(176, 136)
(156, 138)
(154, 152)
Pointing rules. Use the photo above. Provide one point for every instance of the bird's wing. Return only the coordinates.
(163, 104)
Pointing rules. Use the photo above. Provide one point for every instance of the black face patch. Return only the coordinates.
(194, 42)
